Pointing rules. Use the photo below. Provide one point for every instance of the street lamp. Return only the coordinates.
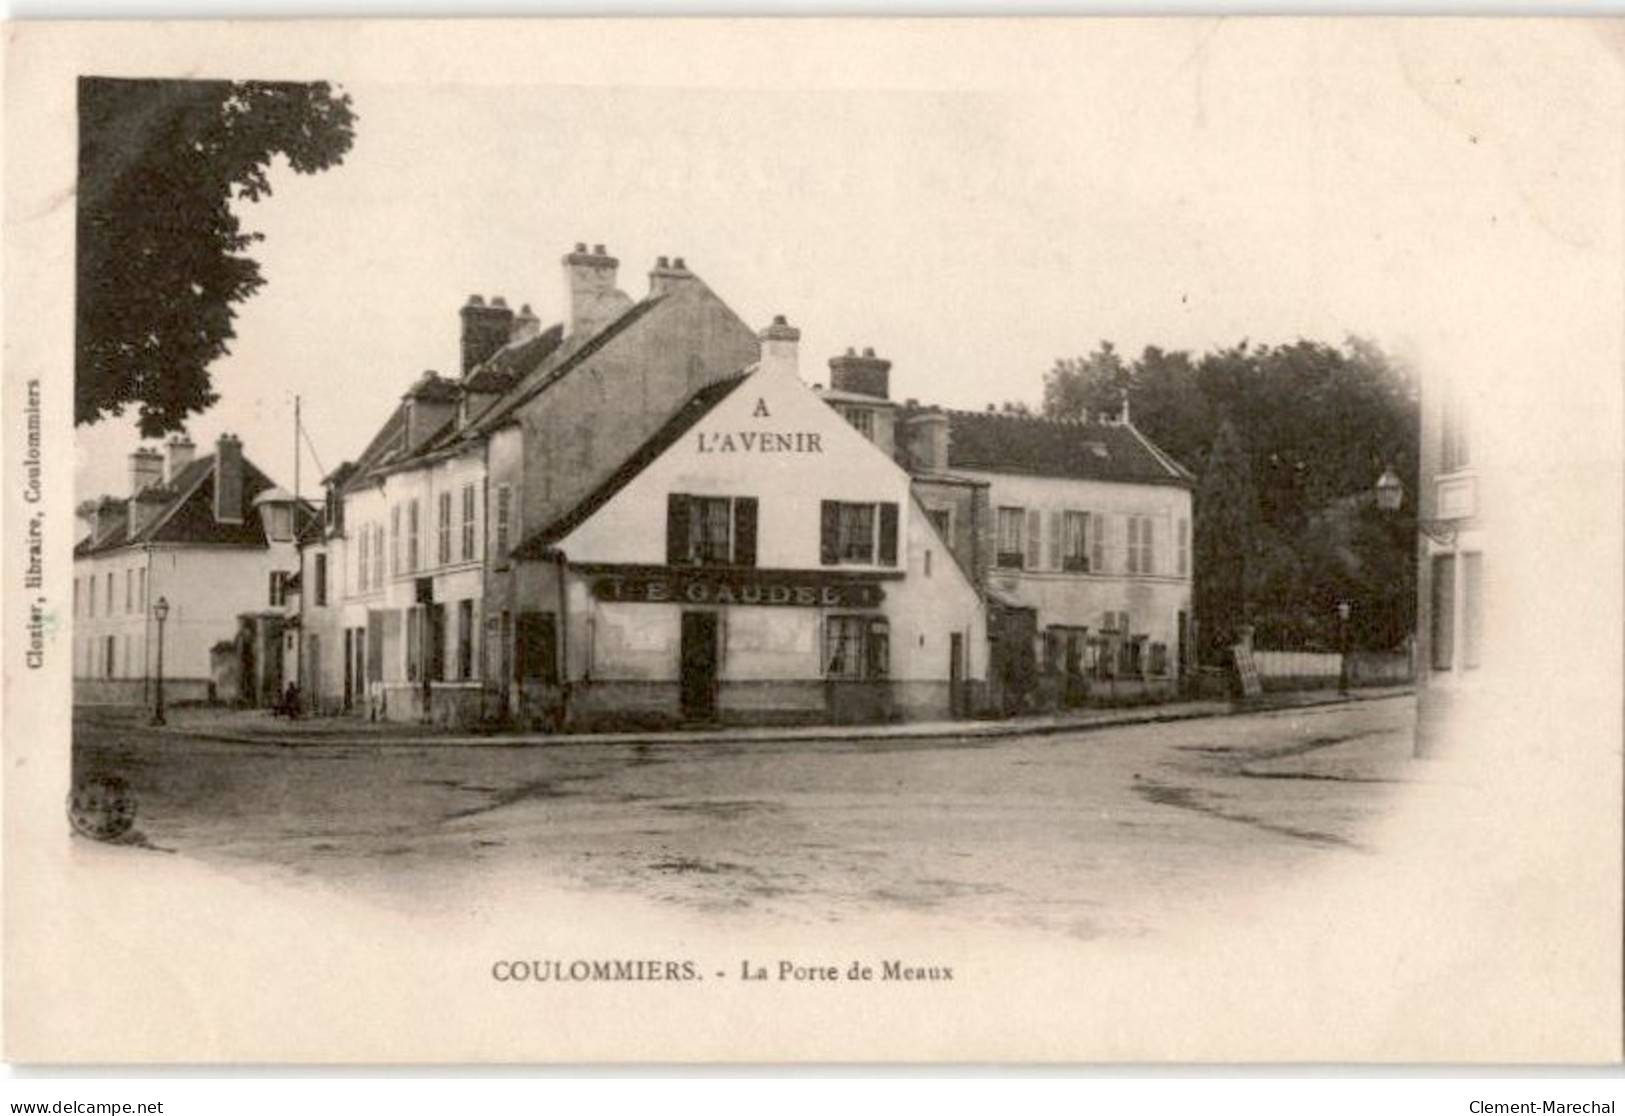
(160, 613)
(1343, 610)
(1390, 490)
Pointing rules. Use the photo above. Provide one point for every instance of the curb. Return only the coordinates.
(993, 730)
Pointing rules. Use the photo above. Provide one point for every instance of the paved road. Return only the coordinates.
(1111, 832)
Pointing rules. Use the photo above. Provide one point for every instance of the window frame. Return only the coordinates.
(443, 528)
(864, 643)
(1014, 558)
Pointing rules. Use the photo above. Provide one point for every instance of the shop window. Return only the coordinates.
(1442, 626)
(1012, 526)
(710, 530)
(860, 534)
(538, 647)
(1159, 659)
(1054, 650)
(857, 648)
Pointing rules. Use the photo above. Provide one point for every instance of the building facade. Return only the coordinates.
(214, 538)
(1450, 560)
(755, 560)
(1077, 533)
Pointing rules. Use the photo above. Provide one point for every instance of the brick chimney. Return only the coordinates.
(144, 508)
(924, 441)
(181, 454)
(106, 516)
(781, 347)
(589, 277)
(485, 329)
(668, 274)
(861, 375)
(430, 402)
(525, 326)
(228, 479)
(146, 469)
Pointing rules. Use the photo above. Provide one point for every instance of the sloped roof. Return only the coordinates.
(187, 514)
(1000, 442)
(696, 407)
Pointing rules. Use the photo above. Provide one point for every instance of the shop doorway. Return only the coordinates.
(699, 662)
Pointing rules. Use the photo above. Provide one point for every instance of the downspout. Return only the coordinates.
(146, 627)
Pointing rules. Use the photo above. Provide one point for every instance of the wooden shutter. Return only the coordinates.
(888, 534)
(1097, 542)
(1056, 530)
(1035, 539)
(829, 520)
(676, 529)
(745, 531)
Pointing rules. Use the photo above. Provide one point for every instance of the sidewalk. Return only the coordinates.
(260, 727)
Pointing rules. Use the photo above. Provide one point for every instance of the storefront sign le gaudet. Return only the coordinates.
(810, 590)
(759, 441)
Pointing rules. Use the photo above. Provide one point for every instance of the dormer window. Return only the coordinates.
(862, 420)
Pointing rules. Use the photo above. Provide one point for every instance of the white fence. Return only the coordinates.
(1285, 670)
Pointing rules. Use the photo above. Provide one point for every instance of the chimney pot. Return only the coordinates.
(475, 300)
(598, 250)
(679, 264)
(778, 319)
(850, 351)
(499, 301)
(663, 262)
(868, 352)
(581, 246)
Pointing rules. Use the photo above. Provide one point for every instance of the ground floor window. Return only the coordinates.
(857, 647)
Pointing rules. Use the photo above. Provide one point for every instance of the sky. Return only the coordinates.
(972, 203)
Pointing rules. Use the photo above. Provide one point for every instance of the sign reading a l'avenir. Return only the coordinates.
(783, 588)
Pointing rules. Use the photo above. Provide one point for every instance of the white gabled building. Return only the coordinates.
(214, 538)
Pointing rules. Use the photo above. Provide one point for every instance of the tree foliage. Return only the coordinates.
(1287, 442)
(161, 254)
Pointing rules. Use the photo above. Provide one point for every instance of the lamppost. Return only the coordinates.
(160, 613)
(1343, 609)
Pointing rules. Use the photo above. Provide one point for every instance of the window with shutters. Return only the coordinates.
(504, 524)
(1139, 555)
(857, 648)
(129, 590)
(443, 528)
(361, 558)
(91, 603)
(321, 580)
(1012, 527)
(110, 605)
(141, 589)
(278, 590)
(710, 530)
(377, 555)
(1075, 542)
(1182, 547)
(412, 534)
(394, 539)
(1035, 539)
(857, 534)
(468, 522)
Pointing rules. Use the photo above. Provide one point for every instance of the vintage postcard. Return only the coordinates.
(1042, 540)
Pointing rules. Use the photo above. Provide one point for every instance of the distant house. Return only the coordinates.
(1078, 533)
(211, 535)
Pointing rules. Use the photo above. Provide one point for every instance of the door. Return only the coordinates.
(313, 675)
(699, 663)
(956, 674)
(349, 668)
